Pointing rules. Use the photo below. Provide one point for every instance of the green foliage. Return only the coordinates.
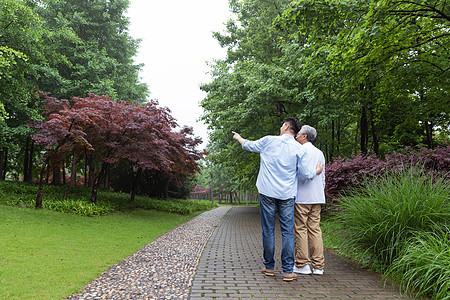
(381, 54)
(77, 202)
(366, 74)
(397, 224)
(21, 49)
(247, 94)
(99, 57)
(383, 216)
(65, 48)
(424, 265)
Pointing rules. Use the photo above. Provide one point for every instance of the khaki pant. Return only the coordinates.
(308, 236)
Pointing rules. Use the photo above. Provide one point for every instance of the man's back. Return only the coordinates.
(281, 158)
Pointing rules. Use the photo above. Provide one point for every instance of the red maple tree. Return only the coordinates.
(110, 131)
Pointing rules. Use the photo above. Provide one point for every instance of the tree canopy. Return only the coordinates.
(370, 76)
(70, 49)
(108, 132)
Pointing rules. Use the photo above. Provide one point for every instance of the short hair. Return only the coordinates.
(294, 124)
(310, 132)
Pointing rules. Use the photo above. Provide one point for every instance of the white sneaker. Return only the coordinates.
(317, 271)
(306, 270)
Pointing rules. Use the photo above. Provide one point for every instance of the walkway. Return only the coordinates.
(218, 255)
(231, 262)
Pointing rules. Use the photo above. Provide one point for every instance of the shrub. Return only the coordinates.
(424, 265)
(345, 173)
(386, 213)
(78, 207)
(77, 202)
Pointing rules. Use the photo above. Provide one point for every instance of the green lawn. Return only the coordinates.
(50, 255)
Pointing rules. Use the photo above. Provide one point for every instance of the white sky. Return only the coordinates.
(176, 44)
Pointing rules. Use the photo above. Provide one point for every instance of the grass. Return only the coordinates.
(397, 225)
(424, 265)
(386, 213)
(50, 255)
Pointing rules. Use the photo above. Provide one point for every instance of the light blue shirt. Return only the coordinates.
(312, 191)
(281, 158)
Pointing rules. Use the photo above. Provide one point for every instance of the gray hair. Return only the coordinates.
(310, 132)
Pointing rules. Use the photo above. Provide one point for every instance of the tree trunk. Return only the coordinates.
(96, 182)
(363, 130)
(44, 169)
(66, 187)
(376, 144)
(73, 171)
(91, 176)
(25, 160)
(63, 169)
(40, 193)
(94, 193)
(30, 161)
(5, 163)
(134, 183)
(338, 131)
(2, 154)
(56, 179)
(429, 133)
(106, 182)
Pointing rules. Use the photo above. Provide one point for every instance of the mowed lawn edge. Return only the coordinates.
(51, 255)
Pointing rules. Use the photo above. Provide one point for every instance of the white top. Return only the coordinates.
(312, 191)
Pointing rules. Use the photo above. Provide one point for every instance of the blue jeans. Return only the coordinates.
(268, 207)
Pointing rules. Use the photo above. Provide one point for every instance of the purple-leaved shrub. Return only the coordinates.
(344, 173)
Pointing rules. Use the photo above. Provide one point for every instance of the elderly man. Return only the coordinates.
(310, 196)
(281, 159)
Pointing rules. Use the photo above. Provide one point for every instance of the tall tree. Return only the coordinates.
(245, 94)
(100, 61)
(24, 52)
(66, 48)
(379, 43)
(367, 74)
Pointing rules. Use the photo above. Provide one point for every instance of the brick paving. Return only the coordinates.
(232, 259)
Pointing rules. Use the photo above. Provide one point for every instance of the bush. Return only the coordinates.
(424, 265)
(78, 207)
(345, 173)
(382, 217)
(77, 202)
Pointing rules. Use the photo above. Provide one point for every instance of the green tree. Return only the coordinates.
(100, 60)
(387, 59)
(66, 48)
(367, 75)
(246, 94)
(24, 52)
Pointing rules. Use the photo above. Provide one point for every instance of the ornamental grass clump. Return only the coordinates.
(424, 265)
(381, 218)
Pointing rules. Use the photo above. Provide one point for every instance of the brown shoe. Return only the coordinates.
(268, 272)
(289, 276)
